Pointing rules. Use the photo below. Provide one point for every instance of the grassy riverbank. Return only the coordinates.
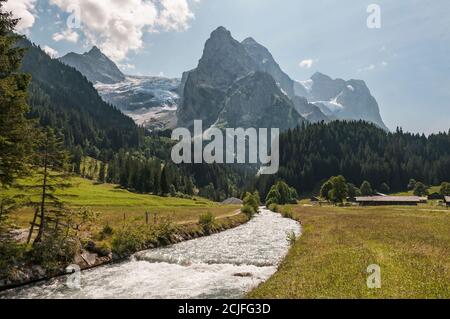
(114, 204)
(124, 223)
(330, 260)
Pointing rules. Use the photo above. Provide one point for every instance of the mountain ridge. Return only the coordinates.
(95, 66)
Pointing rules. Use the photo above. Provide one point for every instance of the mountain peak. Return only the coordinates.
(221, 32)
(320, 76)
(95, 66)
(249, 40)
(95, 52)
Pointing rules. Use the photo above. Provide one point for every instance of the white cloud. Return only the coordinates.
(117, 27)
(23, 9)
(50, 51)
(67, 35)
(307, 64)
(372, 66)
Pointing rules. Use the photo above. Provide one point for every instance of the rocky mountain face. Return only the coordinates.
(266, 63)
(224, 60)
(233, 84)
(309, 111)
(95, 66)
(340, 99)
(211, 91)
(256, 101)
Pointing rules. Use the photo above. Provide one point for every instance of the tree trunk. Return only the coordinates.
(44, 189)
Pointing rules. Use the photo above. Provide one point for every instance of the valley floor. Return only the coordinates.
(115, 205)
(410, 244)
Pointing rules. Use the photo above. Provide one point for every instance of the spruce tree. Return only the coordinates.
(14, 127)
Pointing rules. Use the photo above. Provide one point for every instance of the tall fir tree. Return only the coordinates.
(14, 127)
(50, 162)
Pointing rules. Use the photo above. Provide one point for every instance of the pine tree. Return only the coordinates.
(14, 127)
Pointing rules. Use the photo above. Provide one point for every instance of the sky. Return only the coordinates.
(405, 62)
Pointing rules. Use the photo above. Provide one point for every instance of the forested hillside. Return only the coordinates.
(61, 97)
(359, 151)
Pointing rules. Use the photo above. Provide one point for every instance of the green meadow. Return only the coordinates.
(115, 204)
(330, 260)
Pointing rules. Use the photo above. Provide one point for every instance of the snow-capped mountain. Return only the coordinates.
(202, 93)
(150, 101)
(340, 99)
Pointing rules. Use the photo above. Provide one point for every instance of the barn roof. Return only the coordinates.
(409, 199)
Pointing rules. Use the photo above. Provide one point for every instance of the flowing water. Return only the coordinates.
(224, 265)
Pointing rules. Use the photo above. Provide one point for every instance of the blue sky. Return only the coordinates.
(405, 63)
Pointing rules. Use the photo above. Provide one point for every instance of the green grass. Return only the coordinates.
(410, 244)
(431, 190)
(113, 202)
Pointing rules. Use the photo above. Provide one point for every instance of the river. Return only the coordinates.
(223, 265)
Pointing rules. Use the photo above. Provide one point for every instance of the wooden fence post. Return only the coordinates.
(146, 218)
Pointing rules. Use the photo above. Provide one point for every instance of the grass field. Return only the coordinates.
(431, 190)
(330, 260)
(112, 203)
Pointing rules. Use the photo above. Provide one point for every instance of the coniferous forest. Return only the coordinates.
(361, 152)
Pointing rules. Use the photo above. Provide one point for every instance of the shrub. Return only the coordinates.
(248, 211)
(56, 251)
(273, 207)
(103, 249)
(129, 240)
(206, 221)
(252, 200)
(11, 255)
(106, 232)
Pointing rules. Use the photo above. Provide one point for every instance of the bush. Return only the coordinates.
(252, 200)
(11, 255)
(106, 232)
(129, 240)
(248, 210)
(54, 252)
(103, 249)
(206, 221)
(273, 207)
